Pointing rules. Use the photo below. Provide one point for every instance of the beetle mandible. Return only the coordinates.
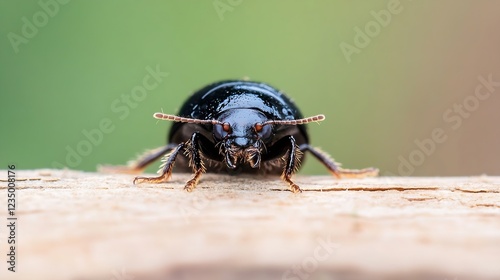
(236, 126)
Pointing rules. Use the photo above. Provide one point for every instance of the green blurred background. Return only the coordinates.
(63, 78)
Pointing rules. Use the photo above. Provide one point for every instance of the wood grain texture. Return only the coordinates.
(76, 225)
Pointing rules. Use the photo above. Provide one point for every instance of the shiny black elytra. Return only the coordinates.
(236, 126)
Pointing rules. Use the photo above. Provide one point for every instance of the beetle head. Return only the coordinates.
(241, 134)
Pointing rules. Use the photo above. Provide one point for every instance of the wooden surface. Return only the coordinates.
(75, 225)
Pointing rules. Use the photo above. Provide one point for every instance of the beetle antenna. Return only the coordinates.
(174, 118)
(158, 120)
(316, 118)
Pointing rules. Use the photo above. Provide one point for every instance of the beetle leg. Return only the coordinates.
(165, 169)
(138, 165)
(291, 164)
(286, 149)
(195, 161)
(334, 167)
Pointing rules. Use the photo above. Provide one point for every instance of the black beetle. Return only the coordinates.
(236, 126)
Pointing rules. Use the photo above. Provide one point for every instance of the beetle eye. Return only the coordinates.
(226, 127)
(258, 127)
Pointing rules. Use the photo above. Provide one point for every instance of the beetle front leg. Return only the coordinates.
(287, 150)
(291, 164)
(335, 168)
(165, 169)
(195, 161)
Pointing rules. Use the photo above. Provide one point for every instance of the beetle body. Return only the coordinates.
(242, 104)
(237, 126)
